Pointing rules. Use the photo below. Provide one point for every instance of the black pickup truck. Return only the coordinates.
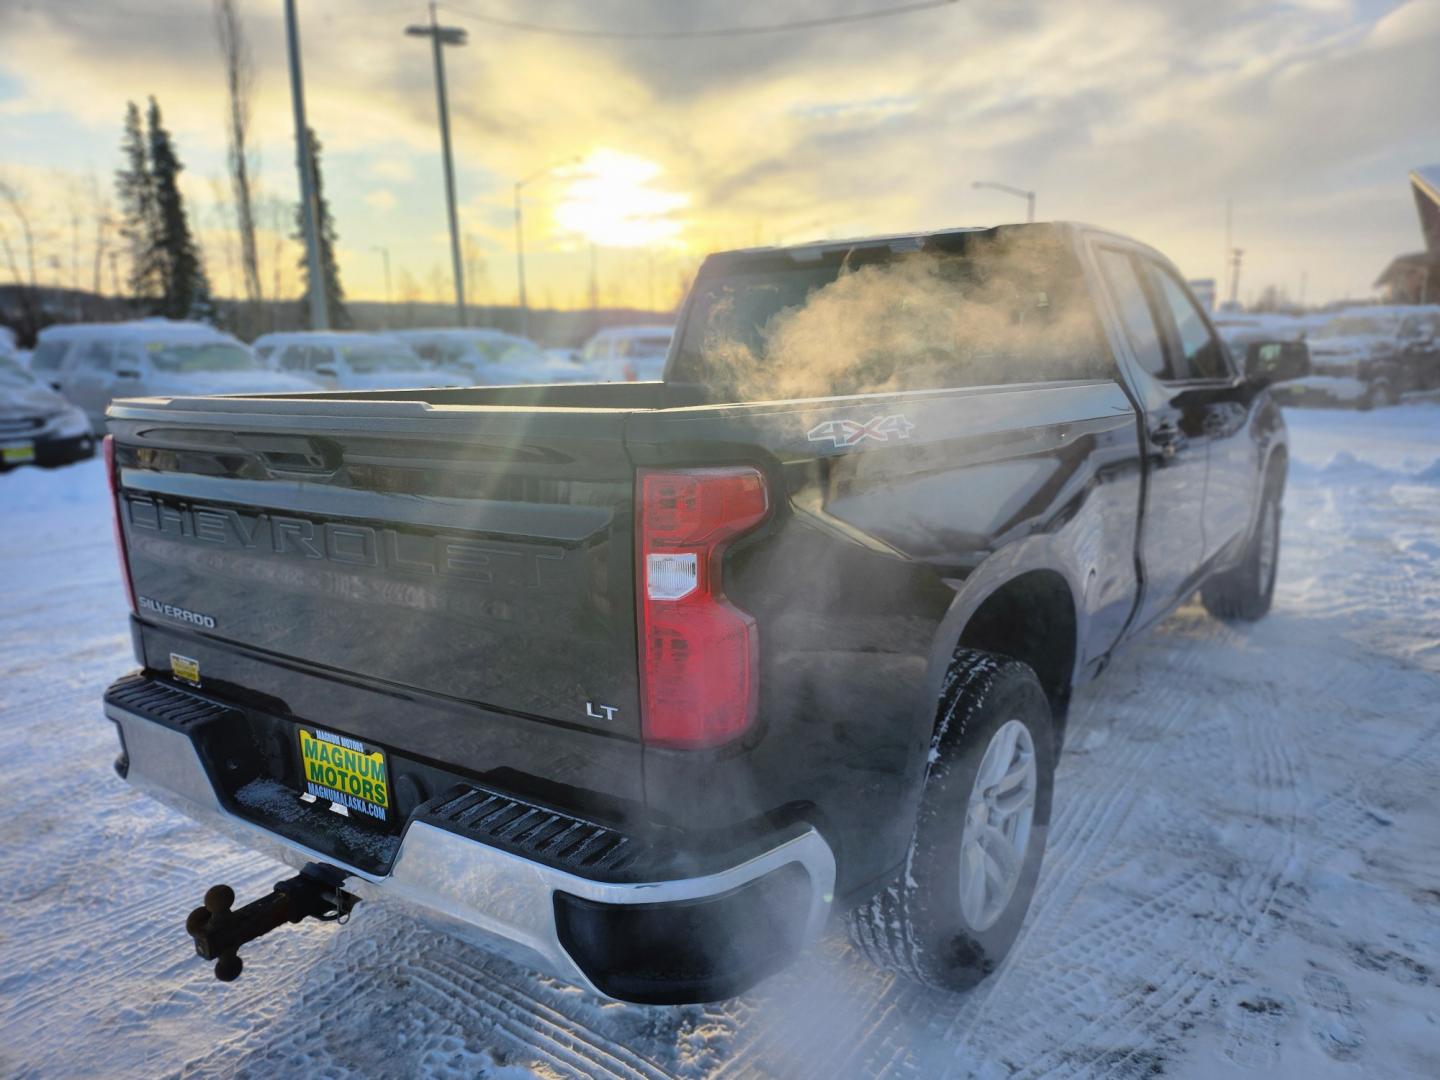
(642, 683)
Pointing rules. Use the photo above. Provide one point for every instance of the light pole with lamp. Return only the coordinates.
(1028, 196)
(520, 238)
(305, 161)
(441, 36)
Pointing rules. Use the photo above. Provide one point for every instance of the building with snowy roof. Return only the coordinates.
(1415, 279)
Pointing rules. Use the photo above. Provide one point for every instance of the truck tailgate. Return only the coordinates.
(482, 554)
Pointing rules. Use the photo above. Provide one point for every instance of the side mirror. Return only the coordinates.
(126, 373)
(1269, 362)
(326, 372)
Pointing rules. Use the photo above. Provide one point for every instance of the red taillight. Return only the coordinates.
(698, 651)
(112, 474)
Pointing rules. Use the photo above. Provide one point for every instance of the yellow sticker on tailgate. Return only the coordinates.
(185, 667)
(345, 772)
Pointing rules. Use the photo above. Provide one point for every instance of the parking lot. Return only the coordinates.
(1241, 873)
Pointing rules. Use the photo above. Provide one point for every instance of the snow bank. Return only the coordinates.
(1241, 877)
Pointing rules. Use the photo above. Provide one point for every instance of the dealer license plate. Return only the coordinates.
(16, 453)
(352, 775)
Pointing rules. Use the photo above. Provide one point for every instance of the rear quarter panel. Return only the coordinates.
(894, 517)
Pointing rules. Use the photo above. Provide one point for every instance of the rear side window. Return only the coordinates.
(1134, 309)
(294, 358)
(968, 309)
(48, 355)
(94, 357)
(1196, 351)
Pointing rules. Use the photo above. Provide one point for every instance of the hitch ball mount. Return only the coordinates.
(219, 931)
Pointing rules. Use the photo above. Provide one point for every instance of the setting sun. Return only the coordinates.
(614, 201)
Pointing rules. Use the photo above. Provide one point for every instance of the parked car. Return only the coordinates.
(638, 682)
(1239, 330)
(93, 363)
(1369, 356)
(336, 360)
(628, 353)
(37, 425)
(491, 357)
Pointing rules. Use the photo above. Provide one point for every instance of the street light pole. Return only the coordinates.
(441, 36)
(319, 316)
(520, 238)
(1028, 196)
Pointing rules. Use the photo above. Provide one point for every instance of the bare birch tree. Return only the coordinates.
(239, 83)
(28, 285)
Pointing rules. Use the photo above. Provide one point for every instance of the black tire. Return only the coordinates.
(1244, 593)
(917, 924)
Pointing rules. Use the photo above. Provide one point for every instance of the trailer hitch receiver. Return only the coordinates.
(219, 931)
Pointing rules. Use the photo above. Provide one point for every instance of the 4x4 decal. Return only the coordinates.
(851, 432)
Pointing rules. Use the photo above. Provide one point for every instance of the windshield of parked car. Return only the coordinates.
(13, 375)
(208, 356)
(992, 307)
(1352, 326)
(369, 359)
(48, 355)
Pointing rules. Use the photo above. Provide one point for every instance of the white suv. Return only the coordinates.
(92, 364)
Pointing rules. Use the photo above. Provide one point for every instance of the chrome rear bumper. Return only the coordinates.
(501, 900)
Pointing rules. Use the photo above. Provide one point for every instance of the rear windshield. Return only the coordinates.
(994, 307)
(368, 359)
(207, 356)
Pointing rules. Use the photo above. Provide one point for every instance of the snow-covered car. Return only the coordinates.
(94, 363)
(492, 357)
(1369, 356)
(339, 360)
(37, 425)
(1239, 330)
(628, 353)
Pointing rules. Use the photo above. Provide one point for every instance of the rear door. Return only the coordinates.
(1172, 539)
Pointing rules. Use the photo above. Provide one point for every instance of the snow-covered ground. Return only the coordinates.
(1243, 876)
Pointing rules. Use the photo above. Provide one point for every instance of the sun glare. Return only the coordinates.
(613, 201)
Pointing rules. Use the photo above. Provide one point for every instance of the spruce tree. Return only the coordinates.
(329, 270)
(135, 191)
(185, 291)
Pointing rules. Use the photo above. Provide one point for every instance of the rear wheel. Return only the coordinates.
(1246, 591)
(956, 909)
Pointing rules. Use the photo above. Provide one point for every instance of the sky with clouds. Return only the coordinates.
(1140, 115)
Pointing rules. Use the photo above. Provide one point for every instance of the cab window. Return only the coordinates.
(1195, 352)
(1134, 309)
